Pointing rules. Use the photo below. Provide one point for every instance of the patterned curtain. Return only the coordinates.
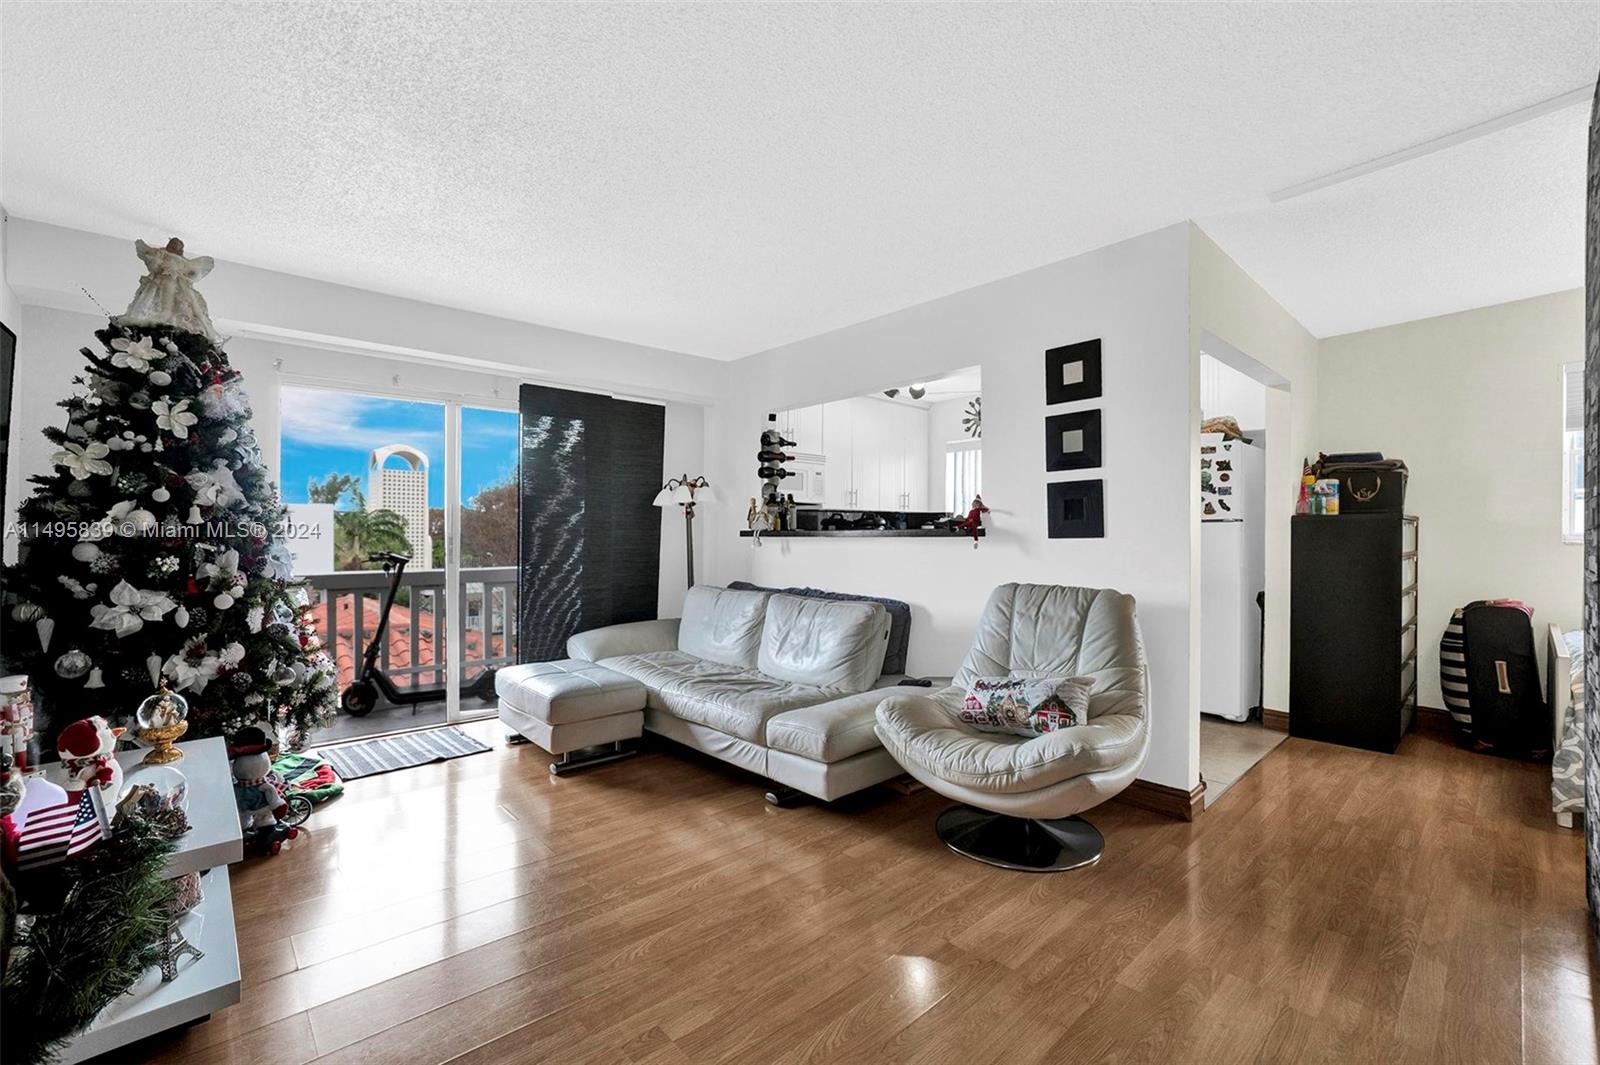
(1591, 507)
(589, 534)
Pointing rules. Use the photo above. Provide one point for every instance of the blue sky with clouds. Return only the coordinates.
(326, 431)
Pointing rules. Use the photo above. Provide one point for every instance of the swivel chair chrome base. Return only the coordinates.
(1020, 796)
(1021, 843)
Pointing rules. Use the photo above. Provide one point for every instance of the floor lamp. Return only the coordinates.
(686, 491)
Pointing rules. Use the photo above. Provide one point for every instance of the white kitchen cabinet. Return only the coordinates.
(875, 453)
(913, 458)
(874, 438)
(805, 429)
(895, 421)
(838, 449)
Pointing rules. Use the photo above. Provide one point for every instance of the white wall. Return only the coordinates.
(1226, 304)
(10, 305)
(1132, 295)
(1472, 403)
(477, 359)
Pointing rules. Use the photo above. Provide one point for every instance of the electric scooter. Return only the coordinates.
(370, 682)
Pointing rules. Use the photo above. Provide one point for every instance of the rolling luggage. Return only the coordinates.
(1502, 708)
(1453, 675)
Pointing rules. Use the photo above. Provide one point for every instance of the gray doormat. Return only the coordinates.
(355, 760)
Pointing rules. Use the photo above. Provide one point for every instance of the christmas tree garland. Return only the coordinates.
(70, 964)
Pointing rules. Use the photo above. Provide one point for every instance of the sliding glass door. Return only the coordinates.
(488, 556)
(365, 474)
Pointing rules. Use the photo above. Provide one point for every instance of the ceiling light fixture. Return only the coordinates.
(1582, 94)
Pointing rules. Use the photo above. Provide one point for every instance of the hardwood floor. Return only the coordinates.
(1335, 905)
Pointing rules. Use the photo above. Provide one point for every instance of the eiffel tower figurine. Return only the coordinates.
(173, 947)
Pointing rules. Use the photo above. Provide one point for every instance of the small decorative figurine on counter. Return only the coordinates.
(974, 519)
(258, 791)
(16, 720)
(88, 750)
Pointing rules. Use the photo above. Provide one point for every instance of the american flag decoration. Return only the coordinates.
(56, 833)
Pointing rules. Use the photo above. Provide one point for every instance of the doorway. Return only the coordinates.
(433, 479)
(1233, 488)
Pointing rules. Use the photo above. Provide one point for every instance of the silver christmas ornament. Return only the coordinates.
(161, 495)
(73, 664)
(94, 680)
(86, 552)
(44, 627)
(26, 612)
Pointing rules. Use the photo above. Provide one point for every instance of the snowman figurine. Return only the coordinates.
(257, 790)
(88, 750)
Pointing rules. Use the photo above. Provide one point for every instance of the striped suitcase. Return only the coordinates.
(1453, 673)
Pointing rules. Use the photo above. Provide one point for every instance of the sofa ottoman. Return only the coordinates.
(570, 706)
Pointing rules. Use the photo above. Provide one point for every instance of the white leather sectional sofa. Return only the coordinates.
(782, 685)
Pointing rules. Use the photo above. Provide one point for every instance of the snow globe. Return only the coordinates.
(162, 718)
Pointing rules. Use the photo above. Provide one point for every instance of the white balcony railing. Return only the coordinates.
(348, 603)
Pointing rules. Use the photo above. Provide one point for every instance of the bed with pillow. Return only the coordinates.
(1565, 666)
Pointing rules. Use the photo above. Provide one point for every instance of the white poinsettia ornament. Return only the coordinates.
(130, 608)
(83, 460)
(125, 518)
(215, 487)
(192, 668)
(136, 355)
(172, 416)
(280, 562)
(224, 572)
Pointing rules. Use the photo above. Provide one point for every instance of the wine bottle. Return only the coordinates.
(770, 472)
(774, 456)
(773, 438)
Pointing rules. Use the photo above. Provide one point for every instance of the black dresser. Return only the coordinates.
(1353, 629)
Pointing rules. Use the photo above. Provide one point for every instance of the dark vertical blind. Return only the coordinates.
(1591, 521)
(589, 535)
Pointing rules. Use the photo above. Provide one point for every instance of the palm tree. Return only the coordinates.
(357, 531)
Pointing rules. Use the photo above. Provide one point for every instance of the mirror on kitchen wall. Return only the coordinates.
(916, 446)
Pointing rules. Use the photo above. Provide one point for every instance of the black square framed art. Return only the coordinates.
(1077, 510)
(1072, 372)
(1072, 441)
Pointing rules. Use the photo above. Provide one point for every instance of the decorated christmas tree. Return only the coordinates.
(151, 553)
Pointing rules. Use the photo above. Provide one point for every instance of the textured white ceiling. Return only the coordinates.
(1492, 220)
(719, 179)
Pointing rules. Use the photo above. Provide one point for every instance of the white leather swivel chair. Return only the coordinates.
(1019, 794)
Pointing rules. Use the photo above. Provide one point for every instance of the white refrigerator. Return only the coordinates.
(1232, 572)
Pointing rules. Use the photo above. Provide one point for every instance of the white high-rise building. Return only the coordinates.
(404, 490)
